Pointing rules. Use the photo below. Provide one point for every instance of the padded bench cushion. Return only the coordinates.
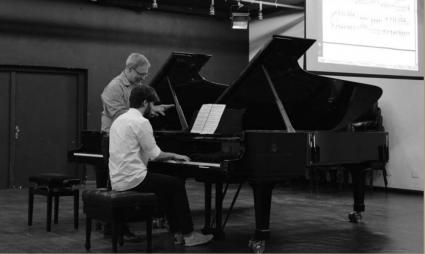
(54, 180)
(117, 199)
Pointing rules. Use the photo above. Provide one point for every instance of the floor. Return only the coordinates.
(301, 222)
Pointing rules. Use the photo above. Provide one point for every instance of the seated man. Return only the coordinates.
(132, 146)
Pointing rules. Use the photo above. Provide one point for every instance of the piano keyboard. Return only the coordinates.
(195, 163)
(93, 155)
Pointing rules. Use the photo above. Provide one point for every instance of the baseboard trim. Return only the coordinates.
(397, 190)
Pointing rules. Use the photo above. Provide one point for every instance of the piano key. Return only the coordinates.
(89, 155)
(195, 163)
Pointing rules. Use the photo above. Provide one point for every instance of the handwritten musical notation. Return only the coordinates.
(383, 23)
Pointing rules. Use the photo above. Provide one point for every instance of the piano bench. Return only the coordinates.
(53, 185)
(117, 208)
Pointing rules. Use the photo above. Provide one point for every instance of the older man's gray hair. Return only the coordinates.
(135, 60)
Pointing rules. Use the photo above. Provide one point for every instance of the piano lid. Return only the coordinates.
(191, 89)
(311, 102)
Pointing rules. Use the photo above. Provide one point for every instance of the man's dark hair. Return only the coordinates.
(141, 93)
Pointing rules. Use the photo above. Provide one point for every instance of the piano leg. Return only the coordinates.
(219, 233)
(358, 179)
(82, 173)
(207, 195)
(262, 203)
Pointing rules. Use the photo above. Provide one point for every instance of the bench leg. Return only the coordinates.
(49, 211)
(76, 207)
(149, 233)
(30, 205)
(88, 232)
(121, 234)
(56, 210)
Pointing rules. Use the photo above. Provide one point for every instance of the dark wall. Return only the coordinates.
(80, 34)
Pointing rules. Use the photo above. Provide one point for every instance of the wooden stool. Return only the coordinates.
(53, 185)
(117, 208)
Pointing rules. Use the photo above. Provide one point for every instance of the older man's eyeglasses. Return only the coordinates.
(141, 74)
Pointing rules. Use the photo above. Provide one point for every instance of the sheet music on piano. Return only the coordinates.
(208, 118)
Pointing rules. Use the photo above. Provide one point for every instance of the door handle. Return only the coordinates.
(17, 130)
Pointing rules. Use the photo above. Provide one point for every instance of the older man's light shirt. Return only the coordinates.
(115, 100)
(131, 146)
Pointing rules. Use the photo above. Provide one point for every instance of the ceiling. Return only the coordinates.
(222, 8)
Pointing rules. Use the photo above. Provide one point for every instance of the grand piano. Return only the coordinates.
(292, 121)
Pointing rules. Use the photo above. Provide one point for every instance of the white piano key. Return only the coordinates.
(195, 163)
(89, 155)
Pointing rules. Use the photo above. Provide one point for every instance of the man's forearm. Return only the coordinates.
(163, 156)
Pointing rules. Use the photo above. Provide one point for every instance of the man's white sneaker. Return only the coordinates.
(197, 238)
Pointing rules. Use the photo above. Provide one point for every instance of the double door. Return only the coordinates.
(42, 114)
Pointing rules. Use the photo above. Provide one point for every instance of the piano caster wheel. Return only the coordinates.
(257, 246)
(355, 217)
(87, 245)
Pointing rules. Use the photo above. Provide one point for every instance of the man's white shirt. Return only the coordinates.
(131, 146)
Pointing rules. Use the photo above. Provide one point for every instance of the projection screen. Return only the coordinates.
(366, 37)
